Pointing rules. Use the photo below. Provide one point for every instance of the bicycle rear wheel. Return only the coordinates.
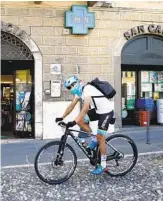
(122, 155)
(53, 171)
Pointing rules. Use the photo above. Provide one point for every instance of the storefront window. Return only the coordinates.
(136, 86)
(152, 84)
(128, 93)
(6, 103)
(23, 97)
(128, 90)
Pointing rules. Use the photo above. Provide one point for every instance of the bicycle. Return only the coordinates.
(57, 162)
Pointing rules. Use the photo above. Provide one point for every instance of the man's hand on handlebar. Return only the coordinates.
(71, 124)
(58, 119)
(68, 125)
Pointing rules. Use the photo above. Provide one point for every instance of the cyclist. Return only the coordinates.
(96, 107)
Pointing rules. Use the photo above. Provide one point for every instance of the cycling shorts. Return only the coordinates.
(103, 120)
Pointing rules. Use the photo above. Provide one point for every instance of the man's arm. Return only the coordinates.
(70, 107)
(84, 110)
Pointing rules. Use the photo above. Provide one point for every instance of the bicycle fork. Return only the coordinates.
(60, 152)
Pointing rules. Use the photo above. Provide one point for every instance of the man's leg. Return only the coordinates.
(101, 140)
(101, 132)
(84, 126)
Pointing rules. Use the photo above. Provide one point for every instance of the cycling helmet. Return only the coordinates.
(71, 80)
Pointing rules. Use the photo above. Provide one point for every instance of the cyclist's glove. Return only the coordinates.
(58, 119)
(71, 124)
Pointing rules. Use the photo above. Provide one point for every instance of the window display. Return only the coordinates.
(140, 85)
(6, 105)
(23, 95)
(160, 76)
(128, 89)
(155, 84)
(144, 76)
(159, 87)
(146, 87)
(153, 77)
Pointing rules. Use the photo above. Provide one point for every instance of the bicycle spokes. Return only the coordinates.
(121, 155)
(51, 166)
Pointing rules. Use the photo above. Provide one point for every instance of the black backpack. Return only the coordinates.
(104, 87)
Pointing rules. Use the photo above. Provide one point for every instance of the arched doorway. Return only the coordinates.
(116, 62)
(21, 66)
(142, 75)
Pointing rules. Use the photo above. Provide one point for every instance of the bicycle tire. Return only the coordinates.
(58, 181)
(135, 153)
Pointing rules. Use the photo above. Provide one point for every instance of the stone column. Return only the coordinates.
(118, 85)
(38, 96)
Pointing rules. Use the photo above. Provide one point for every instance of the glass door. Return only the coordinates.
(128, 96)
(151, 86)
(23, 90)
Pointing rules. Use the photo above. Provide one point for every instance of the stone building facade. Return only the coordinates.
(97, 54)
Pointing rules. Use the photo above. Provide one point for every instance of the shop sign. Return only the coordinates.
(79, 19)
(144, 29)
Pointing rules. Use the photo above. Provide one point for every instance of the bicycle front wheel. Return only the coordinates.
(122, 155)
(51, 170)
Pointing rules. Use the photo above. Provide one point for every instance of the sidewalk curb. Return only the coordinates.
(81, 160)
(8, 141)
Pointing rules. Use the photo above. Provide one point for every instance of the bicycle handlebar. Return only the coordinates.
(62, 124)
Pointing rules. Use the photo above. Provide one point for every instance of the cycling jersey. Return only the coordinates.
(100, 108)
(99, 102)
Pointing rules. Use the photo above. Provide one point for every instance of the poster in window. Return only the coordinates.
(128, 74)
(144, 76)
(153, 77)
(160, 76)
(156, 95)
(146, 87)
(159, 87)
(131, 89)
(130, 102)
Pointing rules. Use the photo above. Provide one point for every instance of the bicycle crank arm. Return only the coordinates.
(113, 156)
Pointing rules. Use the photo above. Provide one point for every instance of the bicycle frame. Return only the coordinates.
(68, 132)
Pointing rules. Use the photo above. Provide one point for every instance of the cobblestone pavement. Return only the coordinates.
(144, 183)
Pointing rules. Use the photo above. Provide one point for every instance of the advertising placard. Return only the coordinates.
(144, 76)
(153, 77)
(146, 87)
(160, 76)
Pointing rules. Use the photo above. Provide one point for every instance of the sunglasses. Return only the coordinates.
(71, 86)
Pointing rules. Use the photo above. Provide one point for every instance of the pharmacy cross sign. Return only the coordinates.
(79, 19)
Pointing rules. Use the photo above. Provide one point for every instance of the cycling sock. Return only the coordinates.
(103, 161)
